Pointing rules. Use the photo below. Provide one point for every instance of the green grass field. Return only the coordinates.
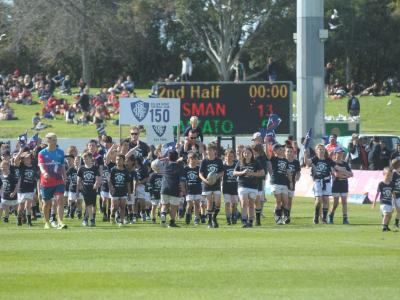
(296, 261)
(376, 116)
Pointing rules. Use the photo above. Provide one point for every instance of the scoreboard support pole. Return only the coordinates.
(221, 138)
(310, 38)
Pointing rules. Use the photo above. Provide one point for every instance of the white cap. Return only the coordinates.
(256, 135)
(50, 135)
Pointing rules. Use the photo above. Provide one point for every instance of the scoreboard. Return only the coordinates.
(227, 108)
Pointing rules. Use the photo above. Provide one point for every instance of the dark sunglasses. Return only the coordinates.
(134, 133)
(193, 138)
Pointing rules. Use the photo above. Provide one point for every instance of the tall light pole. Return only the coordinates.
(310, 38)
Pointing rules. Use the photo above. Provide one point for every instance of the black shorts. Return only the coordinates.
(89, 198)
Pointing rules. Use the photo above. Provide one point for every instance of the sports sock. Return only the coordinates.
(228, 218)
(216, 212)
(317, 209)
(29, 217)
(209, 214)
(188, 218)
(324, 213)
(396, 221)
(258, 215)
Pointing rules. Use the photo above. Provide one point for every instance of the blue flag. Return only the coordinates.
(271, 136)
(167, 147)
(23, 138)
(34, 140)
(273, 122)
(308, 138)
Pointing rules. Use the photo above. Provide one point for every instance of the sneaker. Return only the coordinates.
(143, 217)
(196, 221)
(215, 224)
(324, 221)
(258, 223)
(203, 220)
(245, 225)
(47, 225)
(287, 220)
(148, 218)
(62, 226)
(19, 222)
(85, 223)
(228, 222)
(280, 221)
(284, 219)
(315, 221)
(173, 224)
(53, 224)
(120, 224)
(133, 221)
(395, 225)
(125, 222)
(92, 223)
(331, 220)
(153, 221)
(210, 225)
(105, 218)
(346, 221)
(249, 225)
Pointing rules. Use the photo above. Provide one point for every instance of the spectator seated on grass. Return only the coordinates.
(128, 84)
(70, 114)
(118, 86)
(13, 94)
(45, 94)
(375, 91)
(28, 83)
(65, 88)
(25, 97)
(6, 112)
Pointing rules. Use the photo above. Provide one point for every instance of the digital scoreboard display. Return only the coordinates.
(229, 108)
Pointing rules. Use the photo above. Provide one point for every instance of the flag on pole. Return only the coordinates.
(308, 138)
(273, 122)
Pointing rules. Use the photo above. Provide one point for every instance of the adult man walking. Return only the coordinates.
(52, 174)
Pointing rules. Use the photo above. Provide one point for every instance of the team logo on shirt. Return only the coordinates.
(229, 173)
(88, 176)
(119, 178)
(28, 174)
(321, 168)
(212, 169)
(159, 130)
(387, 192)
(140, 110)
(192, 176)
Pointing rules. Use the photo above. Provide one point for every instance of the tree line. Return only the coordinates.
(100, 40)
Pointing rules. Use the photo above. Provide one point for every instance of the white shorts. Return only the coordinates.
(290, 193)
(203, 200)
(397, 202)
(167, 199)
(250, 193)
(261, 194)
(147, 197)
(216, 193)
(9, 202)
(124, 198)
(131, 199)
(105, 195)
(385, 209)
(22, 197)
(140, 193)
(318, 188)
(66, 194)
(280, 189)
(193, 197)
(231, 198)
(337, 195)
(74, 196)
(155, 202)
